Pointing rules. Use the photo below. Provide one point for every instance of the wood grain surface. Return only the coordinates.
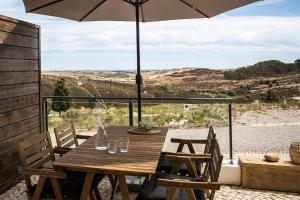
(141, 159)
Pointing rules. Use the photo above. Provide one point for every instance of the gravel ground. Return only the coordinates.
(226, 192)
(246, 139)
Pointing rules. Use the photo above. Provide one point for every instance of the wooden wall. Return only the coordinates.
(19, 92)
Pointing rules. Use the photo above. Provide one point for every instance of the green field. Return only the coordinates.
(164, 114)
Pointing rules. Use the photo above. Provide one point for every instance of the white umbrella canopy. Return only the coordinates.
(133, 10)
(124, 10)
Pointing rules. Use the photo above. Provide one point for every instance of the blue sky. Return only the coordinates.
(261, 31)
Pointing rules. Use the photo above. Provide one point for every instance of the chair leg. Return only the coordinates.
(56, 188)
(39, 188)
(172, 193)
(92, 196)
(190, 194)
(114, 188)
(111, 179)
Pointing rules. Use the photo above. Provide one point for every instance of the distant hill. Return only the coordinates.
(263, 69)
(268, 78)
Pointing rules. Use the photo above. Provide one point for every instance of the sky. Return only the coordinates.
(261, 31)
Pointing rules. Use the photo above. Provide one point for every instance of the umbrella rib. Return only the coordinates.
(142, 12)
(92, 10)
(193, 7)
(45, 5)
(144, 2)
(129, 2)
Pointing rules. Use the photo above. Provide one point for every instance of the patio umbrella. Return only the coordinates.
(133, 10)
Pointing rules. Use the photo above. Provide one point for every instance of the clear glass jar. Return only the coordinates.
(101, 139)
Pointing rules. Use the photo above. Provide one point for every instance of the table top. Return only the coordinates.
(141, 159)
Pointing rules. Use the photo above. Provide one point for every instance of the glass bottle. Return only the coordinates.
(101, 139)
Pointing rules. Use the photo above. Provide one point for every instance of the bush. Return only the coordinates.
(270, 96)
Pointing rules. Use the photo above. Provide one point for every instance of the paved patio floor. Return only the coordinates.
(18, 192)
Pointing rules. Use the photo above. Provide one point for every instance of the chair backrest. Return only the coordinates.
(35, 151)
(65, 135)
(215, 163)
(214, 166)
(211, 137)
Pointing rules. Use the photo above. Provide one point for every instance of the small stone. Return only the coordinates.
(272, 157)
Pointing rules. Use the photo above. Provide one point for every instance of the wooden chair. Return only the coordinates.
(36, 156)
(66, 137)
(167, 165)
(171, 187)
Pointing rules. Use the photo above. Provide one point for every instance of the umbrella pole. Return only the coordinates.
(138, 75)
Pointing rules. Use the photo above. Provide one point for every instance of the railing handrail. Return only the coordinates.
(144, 98)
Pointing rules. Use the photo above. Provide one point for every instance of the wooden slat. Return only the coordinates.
(37, 156)
(11, 144)
(18, 40)
(11, 104)
(12, 65)
(67, 139)
(65, 133)
(19, 128)
(9, 158)
(69, 144)
(8, 174)
(18, 52)
(41, 162)
(18, 115)
(12, 91)
(11, 180)
(29, 151)
(9, 78)
(36, 138)
(14, 26)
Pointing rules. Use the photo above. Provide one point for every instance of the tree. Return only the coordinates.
(61, 105)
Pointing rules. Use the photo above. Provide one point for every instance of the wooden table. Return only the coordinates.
(279, 176)
(140, 160)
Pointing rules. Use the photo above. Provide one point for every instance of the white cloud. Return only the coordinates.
(259, 33)
(247, 35)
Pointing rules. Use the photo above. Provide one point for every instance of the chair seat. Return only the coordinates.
(71, 187)
(166, 165)
(151, 191)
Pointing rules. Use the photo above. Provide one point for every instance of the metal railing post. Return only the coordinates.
(42, 129)
(46, 114)
(230, 131)
(130, 111)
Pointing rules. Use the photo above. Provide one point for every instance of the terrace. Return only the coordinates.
(24, 112)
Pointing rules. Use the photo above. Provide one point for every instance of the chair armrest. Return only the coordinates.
(42, 172)
(187, 141)
(85, 137)
(61, 150)
(189, 184)
(204, 155)
(194, 157)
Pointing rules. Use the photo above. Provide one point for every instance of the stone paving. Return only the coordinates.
(18, 192)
